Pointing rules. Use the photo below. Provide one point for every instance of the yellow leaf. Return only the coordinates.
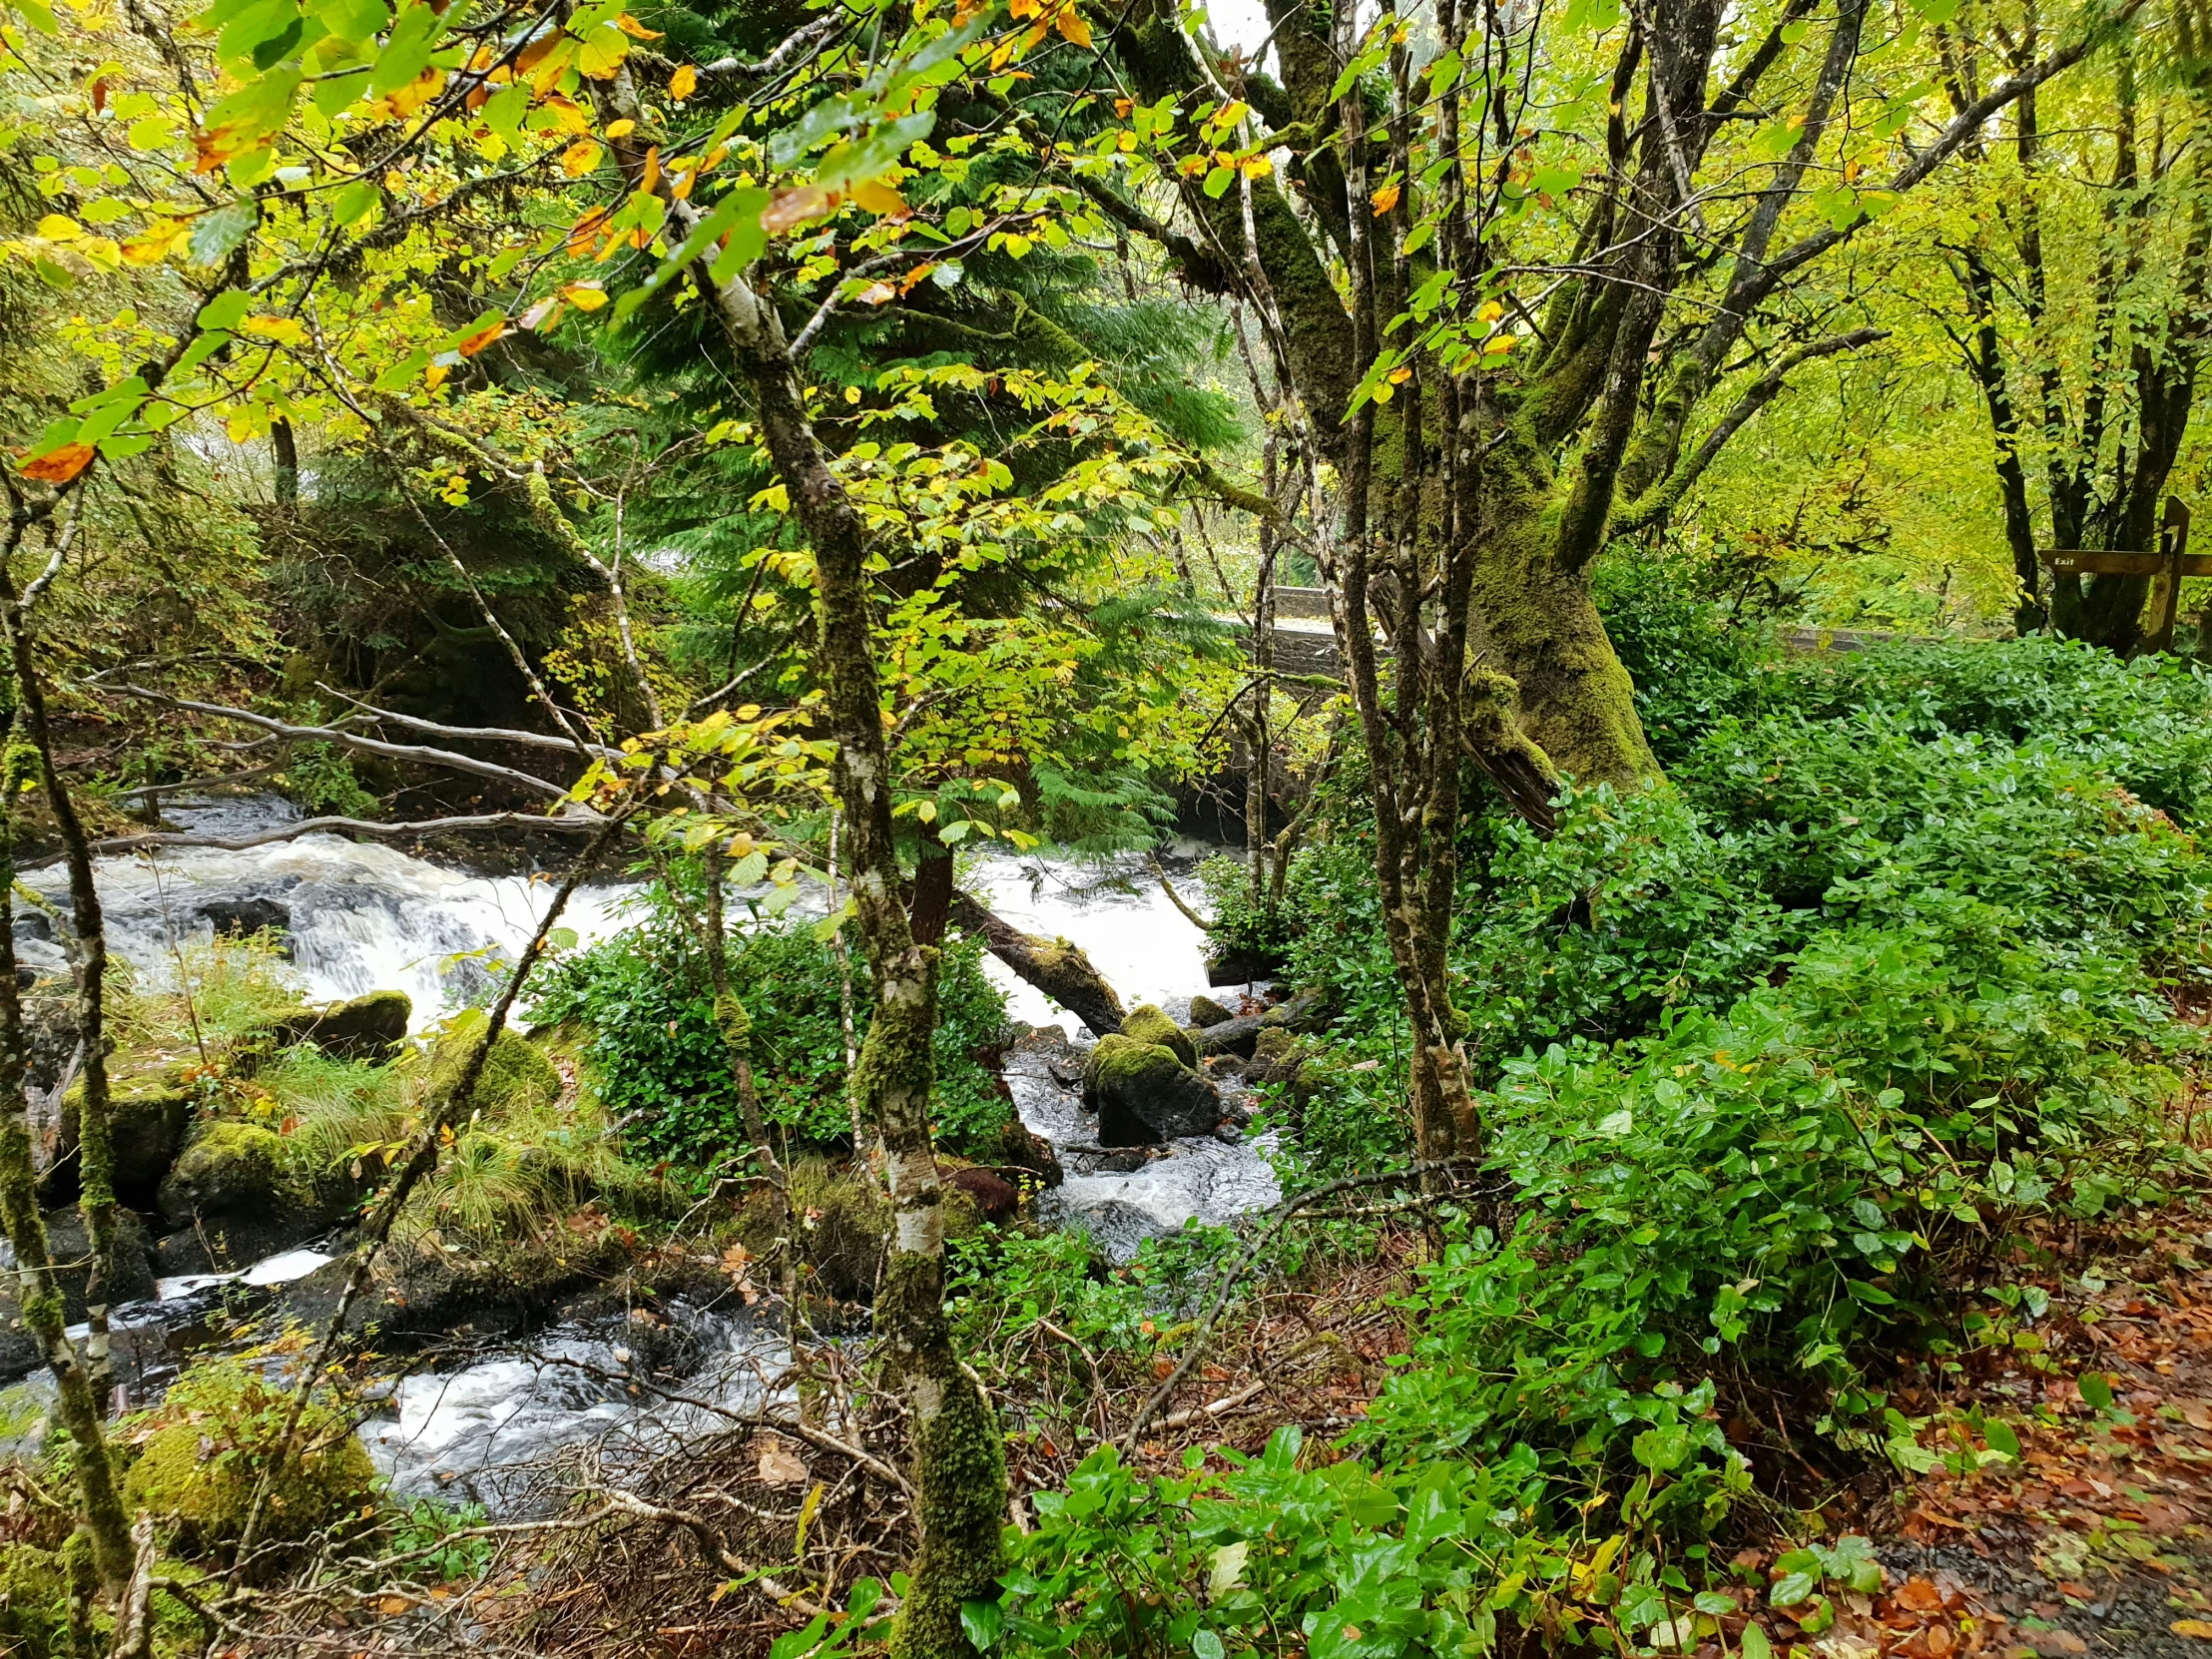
(878, 293)
(434, 376)
(621, 129)
(579, 158)
(683, 83)
(286, 329)
(569, 118)
(2199, 1628)
(1400, 374)
(1073, 27)
(1498, 345)
(152, 245)
(1385, 199)
(60, 228)
(585, 297)
(879, 199)
(652, 170)
(602, 54)
(1488, 311)
(633, 28)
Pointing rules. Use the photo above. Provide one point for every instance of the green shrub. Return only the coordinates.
(643, 1004)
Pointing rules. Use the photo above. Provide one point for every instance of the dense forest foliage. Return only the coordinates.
(1648, 537)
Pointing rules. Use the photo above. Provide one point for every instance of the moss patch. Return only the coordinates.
(203, 1450)
(229, 1169)
(1147, 1025)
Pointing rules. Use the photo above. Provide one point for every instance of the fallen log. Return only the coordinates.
(1059, 969)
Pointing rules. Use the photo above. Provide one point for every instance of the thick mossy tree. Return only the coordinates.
(1525, 274)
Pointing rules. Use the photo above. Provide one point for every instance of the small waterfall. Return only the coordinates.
(360, 916)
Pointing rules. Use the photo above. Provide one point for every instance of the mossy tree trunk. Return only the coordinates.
(959, 1456)
(89, 965)
(81, 1402)
(1473, 497)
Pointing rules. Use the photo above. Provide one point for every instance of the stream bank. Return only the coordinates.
(598, 1346)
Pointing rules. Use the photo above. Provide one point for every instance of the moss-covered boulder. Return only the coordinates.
(1144, 1092)
(1206, 1011)
(517, 1075)
(1147, 1025)
(369, 1027)
(229, 1168)
(206, 1446)
(149, 1110)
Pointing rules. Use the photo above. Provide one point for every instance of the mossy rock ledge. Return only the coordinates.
(368, 1027)
(1144, 1092)
(1205, 1011)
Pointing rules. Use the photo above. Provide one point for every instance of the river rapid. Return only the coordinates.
(364, 916)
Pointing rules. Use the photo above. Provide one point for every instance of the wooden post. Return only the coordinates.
(2174, 540)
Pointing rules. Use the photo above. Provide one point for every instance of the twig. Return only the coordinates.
(1284, 1215)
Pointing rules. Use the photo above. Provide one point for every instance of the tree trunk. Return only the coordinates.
(80, 1404)
(959, 1456)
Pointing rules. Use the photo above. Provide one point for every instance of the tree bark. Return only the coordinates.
(959, 1456)
(1059, 969)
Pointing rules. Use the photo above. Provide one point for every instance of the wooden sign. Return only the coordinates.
(2168, 566)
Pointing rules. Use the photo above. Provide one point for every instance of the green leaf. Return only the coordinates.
(562, 938)
(1219, 181)
(1207, 1645)
(356, 202)
(1792, 1588)
(2097, 1389)
(217, 233)
(407, 50)
(982, 1621)
(225, 310)
(1753, 1643)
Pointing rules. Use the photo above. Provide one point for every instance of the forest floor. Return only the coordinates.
(2098, 1539)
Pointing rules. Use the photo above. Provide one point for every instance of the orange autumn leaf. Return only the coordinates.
(58, 466)
(683, 83)
(152, 245)
(1074, 27)
(1385, 199)
(634, 29)
(651, 173)
(585, 231)
(579, 158)
(878, 294)
(483, 338)
(795, 207)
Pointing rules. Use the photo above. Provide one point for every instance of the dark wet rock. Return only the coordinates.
(1232, 966)
(238, 917)
(996, 1200)
(70, 1249)
(1142, 1092)
(230, 1200)
(1022, 1148)
(369, 1027)
(1206, 1012)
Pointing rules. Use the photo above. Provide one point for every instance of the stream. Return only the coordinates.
(364, 917)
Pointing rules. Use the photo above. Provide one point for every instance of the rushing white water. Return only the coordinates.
(362, 917)
(491, 1433)
(1148, 949)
